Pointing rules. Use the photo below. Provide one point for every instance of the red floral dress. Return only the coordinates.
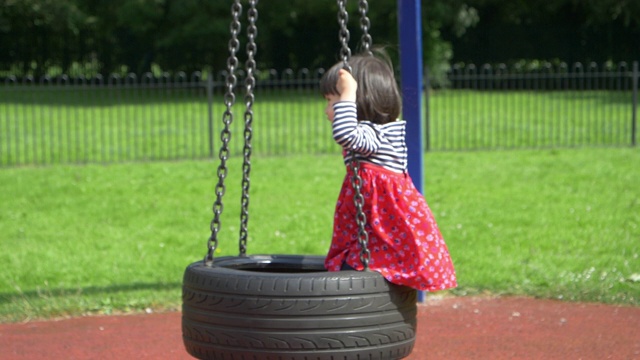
(404, 240)
(405, 244)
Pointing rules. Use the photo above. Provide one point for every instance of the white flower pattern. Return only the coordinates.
(405, 243)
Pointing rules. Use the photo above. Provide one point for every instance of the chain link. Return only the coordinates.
(250, 82)
(225, 135)
(343, 35)
(365, 40)
(361, 217)
(354, 164)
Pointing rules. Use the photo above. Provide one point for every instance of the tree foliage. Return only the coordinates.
(569, 30)
(98, 36)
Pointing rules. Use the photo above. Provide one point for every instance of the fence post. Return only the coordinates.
(634, 112)
(410, 38)
(411, 67)
(210, 111)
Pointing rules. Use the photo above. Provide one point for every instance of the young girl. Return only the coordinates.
(405, 244)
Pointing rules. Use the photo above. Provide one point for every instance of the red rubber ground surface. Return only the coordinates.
(449, 328)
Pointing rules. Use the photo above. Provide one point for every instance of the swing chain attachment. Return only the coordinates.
(250, 82)
(354, 164)
(225, 135)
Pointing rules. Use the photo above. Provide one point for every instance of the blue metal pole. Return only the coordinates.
(410, 38)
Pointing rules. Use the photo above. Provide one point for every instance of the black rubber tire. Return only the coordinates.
(288, 307)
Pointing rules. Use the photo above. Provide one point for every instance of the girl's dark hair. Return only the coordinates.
(377, 98)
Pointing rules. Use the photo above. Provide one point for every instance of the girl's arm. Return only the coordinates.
(347, 131)
(346, 86)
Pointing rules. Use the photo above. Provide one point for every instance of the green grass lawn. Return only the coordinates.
(561, 224)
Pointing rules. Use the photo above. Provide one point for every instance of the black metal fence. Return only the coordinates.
(132, 118)
(547, 106)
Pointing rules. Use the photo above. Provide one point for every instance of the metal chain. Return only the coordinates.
(365, 40)
(343, 35)
(225, 135)
(250, 82)
(354, 164)
(361, 217)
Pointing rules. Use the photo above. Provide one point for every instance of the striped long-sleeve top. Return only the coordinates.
(383, 145)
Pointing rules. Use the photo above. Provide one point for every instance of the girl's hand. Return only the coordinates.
(346, 86)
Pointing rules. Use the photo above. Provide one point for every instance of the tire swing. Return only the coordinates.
(288, 307)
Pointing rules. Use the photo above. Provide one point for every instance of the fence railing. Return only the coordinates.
(549, 106)
(135, 118)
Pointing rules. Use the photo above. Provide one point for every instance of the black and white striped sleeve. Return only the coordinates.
(350, 134)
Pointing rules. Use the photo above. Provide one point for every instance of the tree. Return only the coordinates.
(570, 30)
(125, 35)
(33, 32)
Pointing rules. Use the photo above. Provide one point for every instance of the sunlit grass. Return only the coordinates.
(559, 224)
